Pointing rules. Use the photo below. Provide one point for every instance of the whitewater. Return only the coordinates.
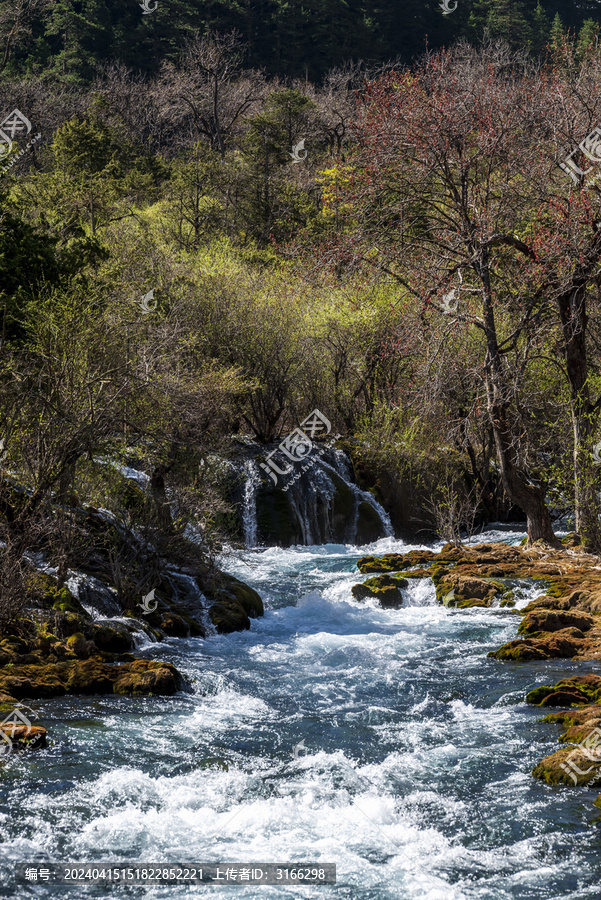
(384, 741)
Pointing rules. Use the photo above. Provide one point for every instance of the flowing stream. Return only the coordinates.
(380, 740)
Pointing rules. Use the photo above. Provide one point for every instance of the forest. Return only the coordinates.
(397, 247)
(300, 442)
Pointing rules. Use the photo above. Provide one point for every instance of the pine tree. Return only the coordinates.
(540, 28)
(588, 39)
(557, 32)
(507, 19)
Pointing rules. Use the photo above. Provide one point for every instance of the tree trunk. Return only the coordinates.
(159, 497)
(574, 320)
(528, 496)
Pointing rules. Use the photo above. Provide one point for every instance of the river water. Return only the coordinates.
(380, 740)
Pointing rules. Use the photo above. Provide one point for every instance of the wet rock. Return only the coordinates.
(468, 587)
(91, 676)
(570, 766)
(21, 737)
(395, 562)
(160, 679)
(558, 645)
(519, 651)
(112, 638)
(554, 620)
(174, 625)
(78, 645)
(233, 604)
(578, 689)
(384, 588)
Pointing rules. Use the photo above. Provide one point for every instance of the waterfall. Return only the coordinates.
(343, 468)
(249, 508)
(314, 503)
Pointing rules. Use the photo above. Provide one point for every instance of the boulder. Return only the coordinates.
(234, 604)
(384, 588)
(395, 562)
(21, 737)
(91, 676)
(112, 638)
(578, 689)
(570, 766)
(519, 651)
(467, 587)
(554, 620)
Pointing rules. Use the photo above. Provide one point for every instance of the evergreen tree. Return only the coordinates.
(541, 26)
(588, 39)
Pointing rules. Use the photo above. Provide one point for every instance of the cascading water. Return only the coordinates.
(249, 507)
(317, 502)
(191, 598)
(384, 741)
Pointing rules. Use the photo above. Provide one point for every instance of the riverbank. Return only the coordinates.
(563, 623)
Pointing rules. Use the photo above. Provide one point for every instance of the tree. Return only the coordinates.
(437, 150)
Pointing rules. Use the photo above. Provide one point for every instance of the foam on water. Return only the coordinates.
(382, 740)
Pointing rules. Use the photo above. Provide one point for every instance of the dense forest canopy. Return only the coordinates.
(296, 38)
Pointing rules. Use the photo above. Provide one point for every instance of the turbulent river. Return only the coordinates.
(380, 740)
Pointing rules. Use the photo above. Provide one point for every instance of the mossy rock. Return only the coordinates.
(228, 616)
(78, 645)
(517, 651)
(549, 620)
(174, 625)
(384, 588)
(161, 679)
(473, 601)
(43, 590)
(234, 604)
(391, 562)
(437, 573)
(467, 588)
(396, 562)
(569, 766)
(567, 692)
(507, 602)
(112, 639)
(91, 676)
(576, 734)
